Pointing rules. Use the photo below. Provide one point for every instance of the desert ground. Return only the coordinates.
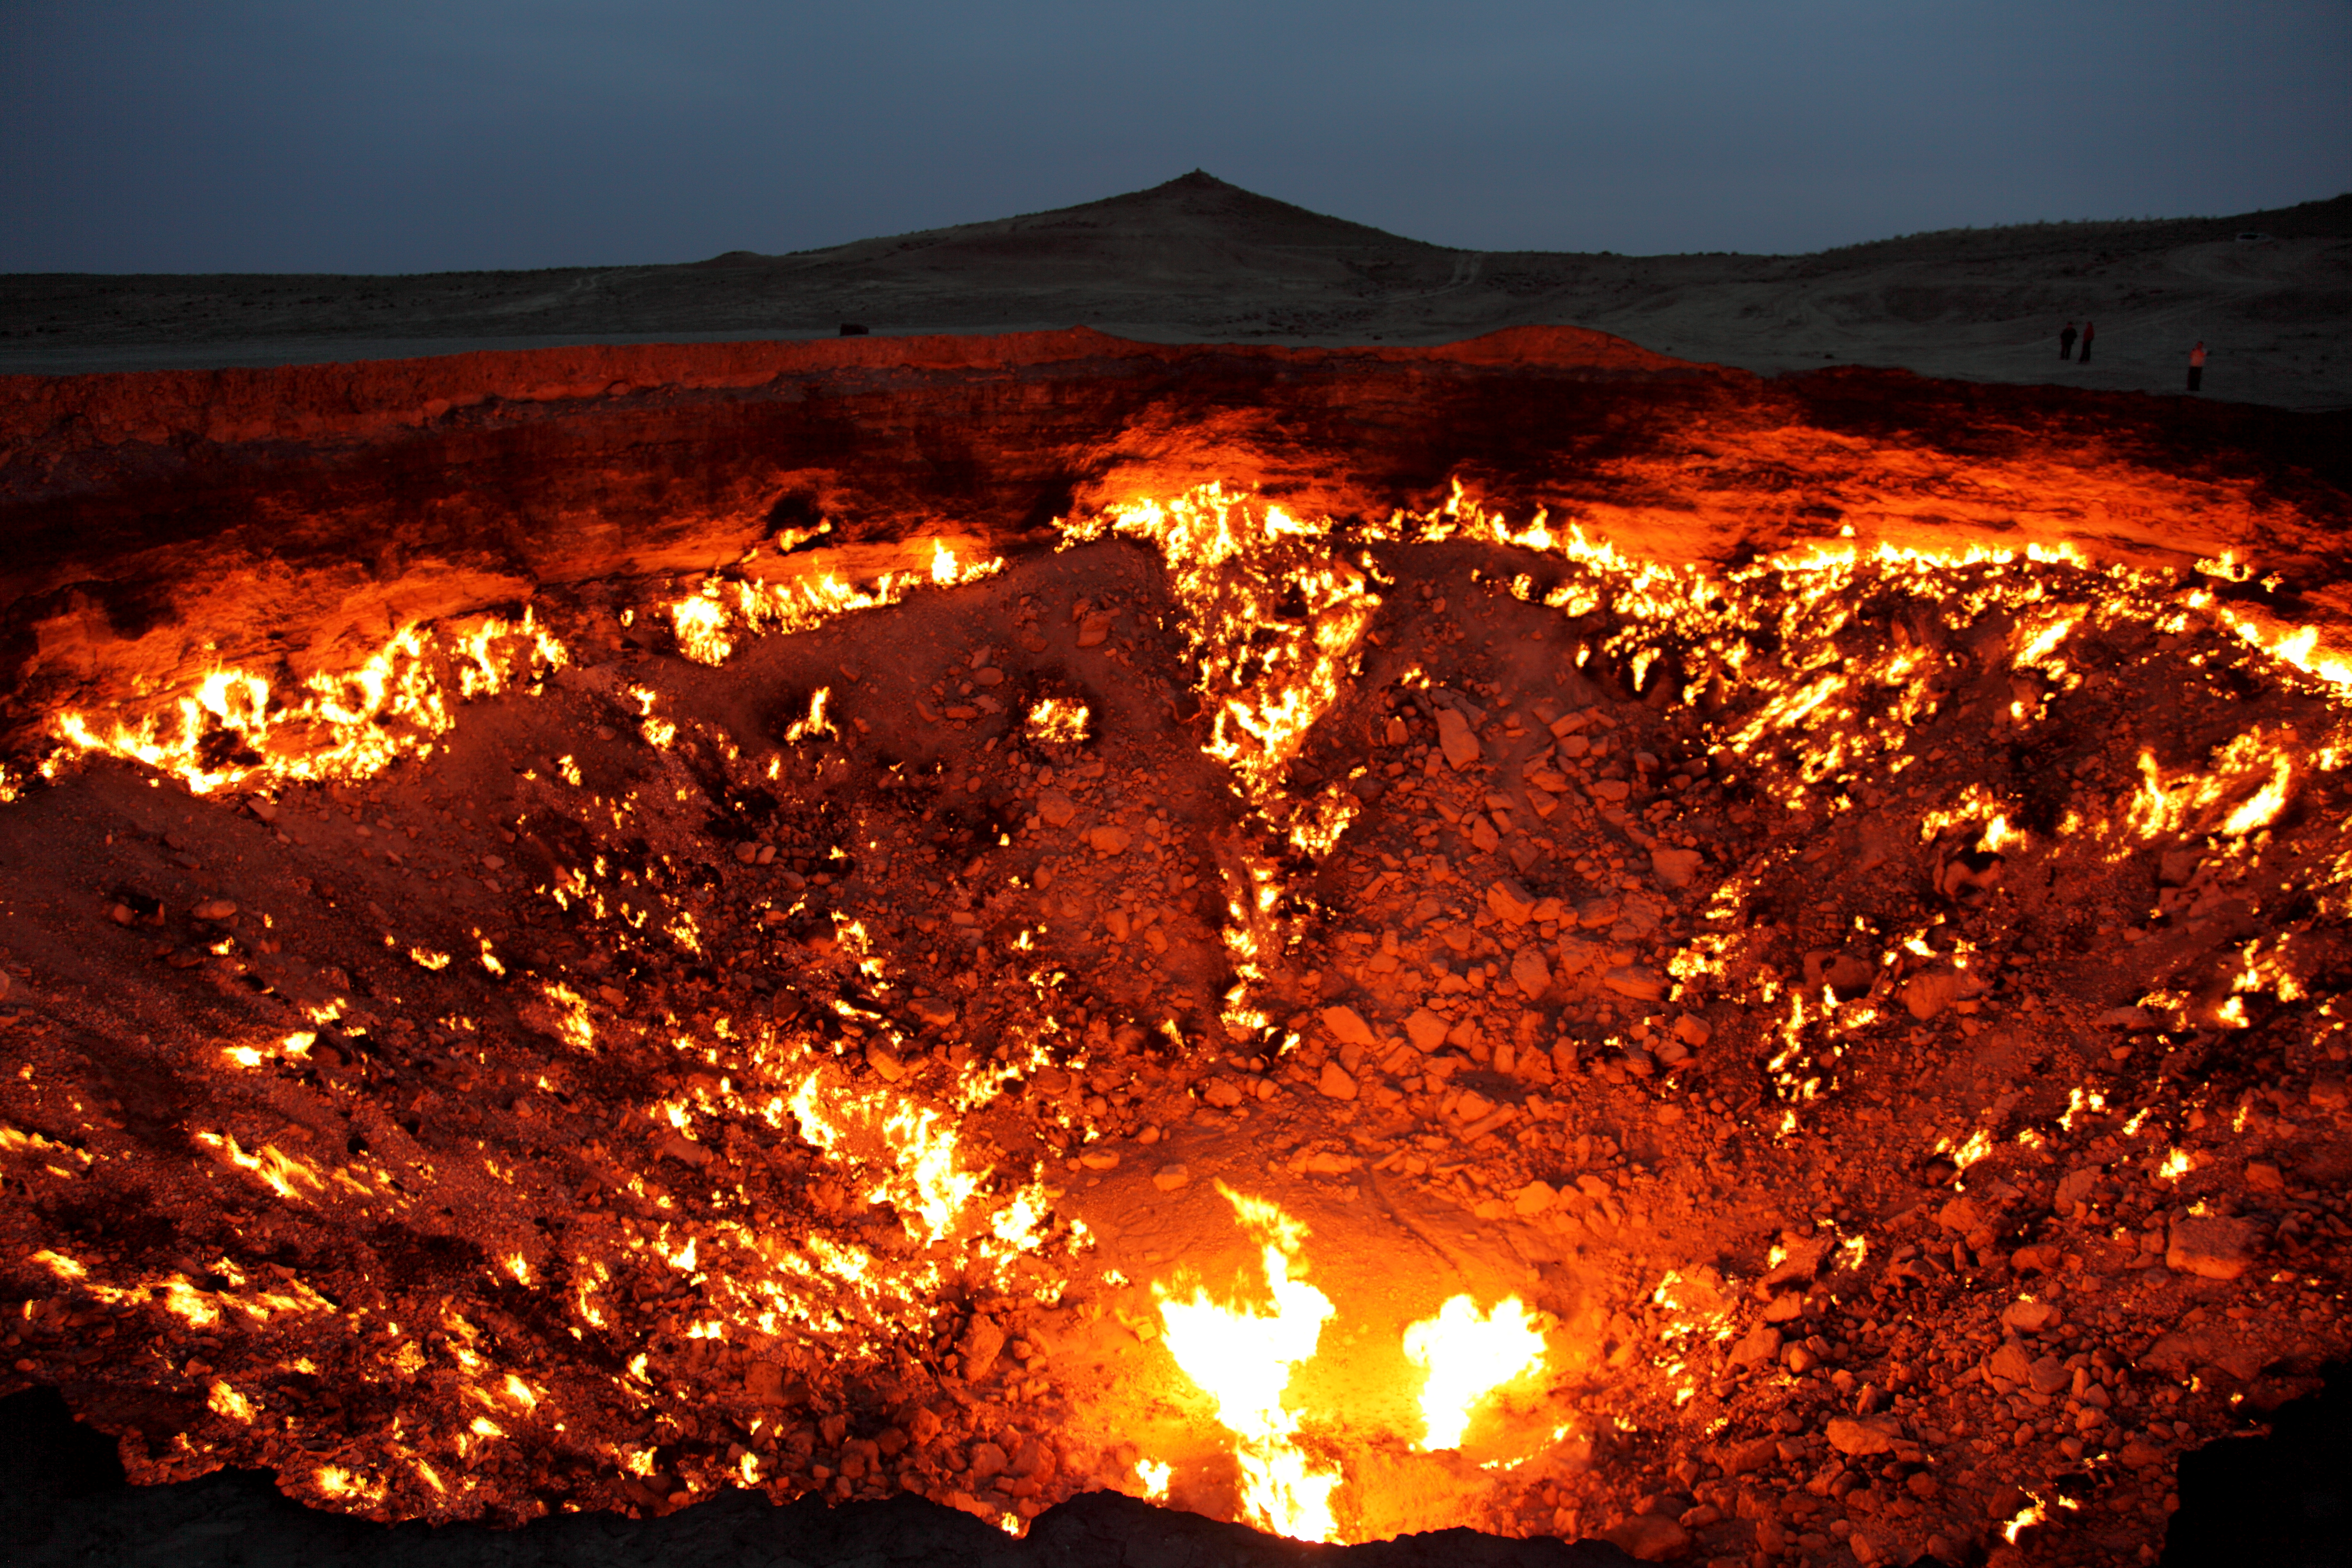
(1198, 261)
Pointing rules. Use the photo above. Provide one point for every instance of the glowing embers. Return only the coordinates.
(707, 624)
(1058, 722)
(909, 1154)
(238, 731)
(2186, 803)
(1275, 618)
(1242, 1356)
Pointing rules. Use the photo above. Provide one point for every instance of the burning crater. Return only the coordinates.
(1520, 935)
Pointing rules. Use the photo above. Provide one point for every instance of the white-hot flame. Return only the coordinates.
(1469, 1354)
(1242, 1356)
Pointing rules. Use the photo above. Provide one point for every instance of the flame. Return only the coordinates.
(1274, 617)
(816, 723)
(1242, 1356)
(1154, 1476)
(1468, 1355)
(281, 1173)
(227, 1402)
(2262, 808)
(706, 624)
(235, 731)
(1057, 721)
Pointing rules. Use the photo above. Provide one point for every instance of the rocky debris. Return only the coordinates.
(1530, 973)
(1831, 1213)
(1334, 1082)
(1648, 1538)
(1925, 996)
(2030, 1317)
(1675, 868)
(1862, 1436)
(978, 1349)
(2213, 1248)
(81, 1510)
(1512, 902)
(1456, 739)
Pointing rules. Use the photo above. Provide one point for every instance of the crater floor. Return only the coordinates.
(1879, 1014)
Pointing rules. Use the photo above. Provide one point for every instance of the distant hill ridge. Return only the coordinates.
(1199, 259)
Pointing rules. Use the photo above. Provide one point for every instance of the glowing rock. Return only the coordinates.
(1510, 901)
(1637, 983)
(1676, 868)
(1857, 1435)
(1425, 1029)
(2211, 1249)
(1055, 808)
(1456, 739)
(1335, 1083)
(1530, 973)
(1347, 1027)
(2030, 1316)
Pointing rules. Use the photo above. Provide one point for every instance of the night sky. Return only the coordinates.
(354, 135)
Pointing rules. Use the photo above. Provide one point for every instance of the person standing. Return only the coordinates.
(2197, 367)
(2066, 341)
(2086, 343)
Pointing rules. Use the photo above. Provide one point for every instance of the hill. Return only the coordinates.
(1199, 259)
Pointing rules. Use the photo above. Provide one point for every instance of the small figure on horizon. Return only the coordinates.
(2086, 343)
(2066, 341)
(2197, 367)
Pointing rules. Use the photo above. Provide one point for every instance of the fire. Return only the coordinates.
(897, 1221)
(1242, 1357)
(236, 730)
(1057, 721)
(1469, 1354)
(1274, 615)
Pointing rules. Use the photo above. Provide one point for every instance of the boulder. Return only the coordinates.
(1425, 1029)
(2214, 1248)
(1649, 1537)
(1860, 1436)
(1676, 868)
(1530, 973)
(1510, 901)
(1456, 739)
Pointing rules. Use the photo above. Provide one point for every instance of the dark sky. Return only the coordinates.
(356, 135)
